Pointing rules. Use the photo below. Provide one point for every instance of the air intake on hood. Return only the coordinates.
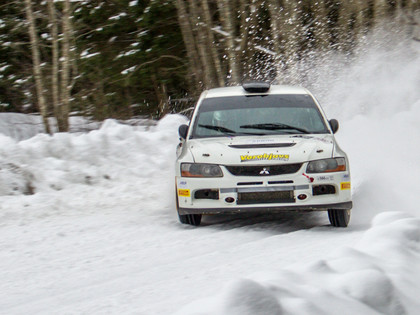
(262, 145)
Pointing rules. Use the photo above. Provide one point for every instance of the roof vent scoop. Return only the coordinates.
(256, 87)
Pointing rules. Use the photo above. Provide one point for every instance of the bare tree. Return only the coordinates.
(55, 62)
(380, 11)
(290, 34)
(250, 57)
(227, 24)
(189, 41)
(60, 72)
(60, 94)
(320, 23)
(408, 13)
(244, 25)
(211, 43)
(274, 11)
(36, 60)
(65, 72)
(201, 42)
(346, 25)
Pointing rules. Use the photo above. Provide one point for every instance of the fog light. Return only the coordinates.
(302, 197)
(323, 190)
(230, 199)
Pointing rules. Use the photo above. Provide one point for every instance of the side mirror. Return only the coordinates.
(334, 125)
(183, 131)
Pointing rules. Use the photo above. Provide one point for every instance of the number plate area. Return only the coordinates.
(248, 198)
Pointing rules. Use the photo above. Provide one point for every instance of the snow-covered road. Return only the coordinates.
(63, 256)
(101, 236)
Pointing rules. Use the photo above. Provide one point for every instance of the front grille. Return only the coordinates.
(247, 198)
(264, 170)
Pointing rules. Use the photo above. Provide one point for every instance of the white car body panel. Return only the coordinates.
(218, 150)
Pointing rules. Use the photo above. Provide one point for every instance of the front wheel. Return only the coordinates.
(191, 219)
(339, 217)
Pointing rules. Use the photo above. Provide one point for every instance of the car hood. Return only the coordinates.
(262, 150)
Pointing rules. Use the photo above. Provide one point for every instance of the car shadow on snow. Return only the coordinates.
(285, 222)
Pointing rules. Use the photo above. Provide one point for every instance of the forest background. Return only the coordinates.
(135, 58)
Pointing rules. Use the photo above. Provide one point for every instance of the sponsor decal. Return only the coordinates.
(325, 178)
(257, 141)
(345, 186)
(346, 177)
(265, 157)
(183, 184)
(312, 138)
(184, 192)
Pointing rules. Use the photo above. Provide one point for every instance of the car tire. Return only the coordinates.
(191, 219)
(339, 217)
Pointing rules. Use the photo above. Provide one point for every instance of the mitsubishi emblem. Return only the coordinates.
(265, 171)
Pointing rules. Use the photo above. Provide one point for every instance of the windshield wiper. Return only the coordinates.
(219, 128)
(273, 126)
(229, 131)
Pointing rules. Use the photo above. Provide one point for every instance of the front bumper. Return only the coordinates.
(231, 210)
(242, 194)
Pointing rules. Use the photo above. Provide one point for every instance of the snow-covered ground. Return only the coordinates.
(88, 223)
(22, 127)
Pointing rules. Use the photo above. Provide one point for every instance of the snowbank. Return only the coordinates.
(378, 276)
(22, 126)
(115, 152)
(32, 161)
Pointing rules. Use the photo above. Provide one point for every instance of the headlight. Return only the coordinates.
(200, 170)
(327, 166)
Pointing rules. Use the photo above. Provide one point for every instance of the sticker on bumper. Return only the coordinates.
(183, 184)
(184, 192)
(325, 178)
(345, 186)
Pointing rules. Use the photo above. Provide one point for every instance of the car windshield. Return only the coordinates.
(258, 115)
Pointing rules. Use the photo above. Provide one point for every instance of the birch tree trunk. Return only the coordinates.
(291, 29)
(251, 60)
(226, 20)
(55, 65)
(244, 28)
(360, 22)
(380, 11)
(211, 42)
(274, 11)
(201, 36)
(344, 25)
(188, 37)
(320, 24)
(36, 59)
(163, 98)
(65, 73)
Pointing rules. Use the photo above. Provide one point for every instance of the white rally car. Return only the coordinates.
(260, 148)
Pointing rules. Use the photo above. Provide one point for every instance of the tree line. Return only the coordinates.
(128, 58)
